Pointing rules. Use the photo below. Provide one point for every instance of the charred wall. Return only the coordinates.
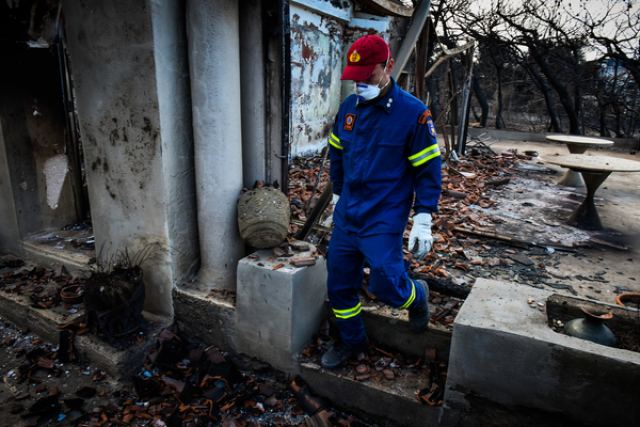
(33, 127)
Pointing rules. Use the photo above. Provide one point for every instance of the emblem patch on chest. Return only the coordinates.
(349, 121)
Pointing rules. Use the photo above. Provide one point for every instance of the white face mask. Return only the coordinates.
(367, 92)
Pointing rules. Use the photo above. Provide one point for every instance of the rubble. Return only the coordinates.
(493, 222)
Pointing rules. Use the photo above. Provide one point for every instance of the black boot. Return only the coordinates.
(340, 353)
(419, 313)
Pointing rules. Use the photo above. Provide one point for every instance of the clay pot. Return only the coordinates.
(592, 328)
(629, 300)
(263, 217)
(72, 294)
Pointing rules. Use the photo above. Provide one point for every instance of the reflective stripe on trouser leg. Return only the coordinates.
(389, 280)
(345, 263)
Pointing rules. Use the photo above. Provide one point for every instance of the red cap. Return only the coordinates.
(363, 56)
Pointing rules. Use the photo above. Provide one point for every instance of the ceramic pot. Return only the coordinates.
(592, 328)
(629, 300)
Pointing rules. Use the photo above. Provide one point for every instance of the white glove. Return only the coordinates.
(334, 202)
(420, 239)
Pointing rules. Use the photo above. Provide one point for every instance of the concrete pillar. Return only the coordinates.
(176, 133)
(130, 83)
(214, 65)
(253, 92)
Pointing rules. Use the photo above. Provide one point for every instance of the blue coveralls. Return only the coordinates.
(382, 153)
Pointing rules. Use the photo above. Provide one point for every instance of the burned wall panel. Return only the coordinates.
(33, 127)
(316, 63)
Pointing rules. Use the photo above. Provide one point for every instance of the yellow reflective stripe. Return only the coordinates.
(426, 159)
(348, 312)
(335, 141)
(335, 145)
(423, 152)
(411, 298)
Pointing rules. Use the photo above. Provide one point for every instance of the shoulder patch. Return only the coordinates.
(422, 120)
(432, 127)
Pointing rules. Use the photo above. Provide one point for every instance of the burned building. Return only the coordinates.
(128, 126)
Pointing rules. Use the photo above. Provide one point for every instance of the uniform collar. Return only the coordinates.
(386, 102)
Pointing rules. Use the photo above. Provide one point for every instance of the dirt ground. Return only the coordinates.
(597, 273)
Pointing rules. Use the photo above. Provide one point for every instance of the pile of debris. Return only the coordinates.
(181, 384)
(41, 285)
(43, 390)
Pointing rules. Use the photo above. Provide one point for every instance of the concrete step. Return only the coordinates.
(76, 262)
(389, 402)
(46, 323)
(394, 401)
(390, 328)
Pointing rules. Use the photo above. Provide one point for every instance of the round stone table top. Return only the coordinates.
(582, 162)
(574, 139)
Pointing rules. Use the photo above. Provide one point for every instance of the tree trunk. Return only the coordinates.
(543, 86)
(618, 130)
(499, 119)
(603, 120)
(561, 90)
(482, 100)
(434, 97)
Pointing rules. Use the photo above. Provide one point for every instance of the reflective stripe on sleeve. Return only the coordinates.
(335, 141)
(348, 313)
(425, 155)
(411, 298)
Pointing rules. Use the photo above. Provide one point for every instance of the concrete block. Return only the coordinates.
(205, 318)
(119, 363)
(278, 309)
(503, 350)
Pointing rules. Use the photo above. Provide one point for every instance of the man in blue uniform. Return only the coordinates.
(384, 161)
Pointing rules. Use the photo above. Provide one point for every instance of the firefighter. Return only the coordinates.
(383, 151)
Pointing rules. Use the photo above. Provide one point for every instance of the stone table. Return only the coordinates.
(594, 170)
(576, 145)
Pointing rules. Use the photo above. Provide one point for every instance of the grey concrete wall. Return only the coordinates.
(503, 350)
(123, 98)
(33, 132)
(176, 135)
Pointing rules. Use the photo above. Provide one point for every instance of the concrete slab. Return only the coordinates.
(393, 401)
(503, 350)
(45, 323)
(279, 306)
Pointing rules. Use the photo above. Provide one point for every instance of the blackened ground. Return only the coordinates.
(181, 384)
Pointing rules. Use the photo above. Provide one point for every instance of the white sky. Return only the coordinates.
(597, 8)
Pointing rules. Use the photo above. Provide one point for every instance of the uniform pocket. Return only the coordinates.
(387, 160)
